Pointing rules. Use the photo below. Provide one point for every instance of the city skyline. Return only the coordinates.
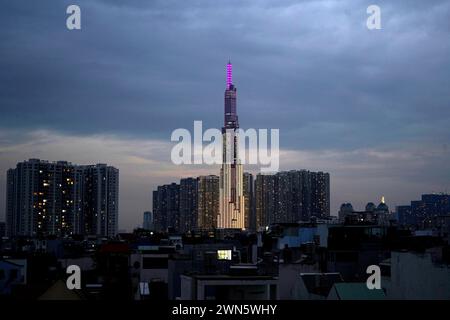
(380, 129)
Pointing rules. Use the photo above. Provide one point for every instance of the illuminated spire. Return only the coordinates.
(382, 199)
(229, 74)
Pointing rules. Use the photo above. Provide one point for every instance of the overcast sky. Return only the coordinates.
(372, 107)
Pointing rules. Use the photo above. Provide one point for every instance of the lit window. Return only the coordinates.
(224, 254)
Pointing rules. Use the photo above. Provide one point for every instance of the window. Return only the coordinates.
(224, 254)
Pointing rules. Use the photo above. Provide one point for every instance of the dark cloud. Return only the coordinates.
(139, 69)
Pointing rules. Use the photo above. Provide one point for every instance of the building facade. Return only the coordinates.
(60, 198)
(188, 204)
(420, 213)
(248, 191)
(291, 196)
(166, 207)
(208, 202)
(147, 223)
(99, 189)
(320, 194)
(231, 212)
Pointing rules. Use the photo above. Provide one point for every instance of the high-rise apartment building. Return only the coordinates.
(208, 201)
(421, 212)
(60, 198)
(191, 205)
(188, 204)
(248, 191)
(264, 200)
(291, 196)
(166, 207)
(100, 200)
(320, 194)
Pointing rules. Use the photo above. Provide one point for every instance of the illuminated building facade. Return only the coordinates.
(166, 207)
(231, 213)
(249, 216)
(60, 198)
(208, 202)
(188, 204)
(291, 196)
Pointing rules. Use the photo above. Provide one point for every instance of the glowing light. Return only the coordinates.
(224, 254)
(229, 74)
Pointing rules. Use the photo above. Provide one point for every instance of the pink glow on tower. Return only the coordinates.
(229, 74)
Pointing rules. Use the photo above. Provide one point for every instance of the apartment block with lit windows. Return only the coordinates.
(60, 198)
(291, 196)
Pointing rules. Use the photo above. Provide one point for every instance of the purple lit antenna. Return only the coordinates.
(229, 74)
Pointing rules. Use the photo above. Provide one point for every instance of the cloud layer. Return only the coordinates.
(371, 107)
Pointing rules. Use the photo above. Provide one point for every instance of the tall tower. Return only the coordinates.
(231, 210)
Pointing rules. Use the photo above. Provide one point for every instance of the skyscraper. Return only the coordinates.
(60, 198)
(291, 196)
(264, 200)
(166, 207)
(188, 204)
(208, 201)
(100, 200)
(421, 212)
(231, 210)
(249, 217)
(320, 194)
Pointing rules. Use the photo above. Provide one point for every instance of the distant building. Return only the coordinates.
(320, 194)
(264, 200)
(208, 201)
(249, 217)
(99, 191)
(188, 204)
(422, 213)
(292, 235)
(166, 207)
(60, 198)
(291, 196)
(193, 204)
(404, 215)
(148, 221)
(382, 207)
(346, 209)
(371, 207)
(372, 215)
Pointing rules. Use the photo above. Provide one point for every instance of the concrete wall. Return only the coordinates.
(290, 285)
(415, 276)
